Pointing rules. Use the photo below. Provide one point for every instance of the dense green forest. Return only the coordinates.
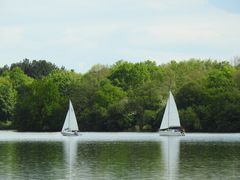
(123, 97)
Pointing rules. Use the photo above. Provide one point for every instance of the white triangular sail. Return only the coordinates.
(70, 122)
(170, 117)
(66, 122)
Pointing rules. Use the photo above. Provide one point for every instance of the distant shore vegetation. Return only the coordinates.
(123, 97)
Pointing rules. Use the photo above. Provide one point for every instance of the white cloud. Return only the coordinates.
(88, 36)
(10, 35)
(175, 4)
(103, 31)
(214, 28)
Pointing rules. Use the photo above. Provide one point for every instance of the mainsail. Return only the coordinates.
(170, 117)
(70, 122)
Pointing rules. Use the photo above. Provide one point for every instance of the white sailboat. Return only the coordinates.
(170, 125)
(70, 126)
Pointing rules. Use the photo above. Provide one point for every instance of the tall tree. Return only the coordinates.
(39, 109)
(7, 99)
(35, 69)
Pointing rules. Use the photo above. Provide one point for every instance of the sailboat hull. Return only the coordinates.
(70, 133)
(171, 133)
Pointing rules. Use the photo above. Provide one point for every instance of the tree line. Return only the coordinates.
(123, 97)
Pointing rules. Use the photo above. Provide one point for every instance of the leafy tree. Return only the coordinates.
(112, 98)
(65, 81)
(18, 79)
(236, 78)
(91, 116)
(7, 99)
(35, 69)
(220, 79)
(108, 94)
(3, 69)
(220, 88)
(128, 75)
(126, 96)
(119, 117)
(223, 114)
(189, 119)
(149, 119)
(190, 95)
(146, 97)
(39, 109)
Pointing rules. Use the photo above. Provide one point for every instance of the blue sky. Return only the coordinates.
(78, 34)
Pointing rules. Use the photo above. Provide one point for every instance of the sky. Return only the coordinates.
(78, 34)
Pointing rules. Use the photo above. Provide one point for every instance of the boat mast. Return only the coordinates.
(168, 109)
(69, 114)
(169, 100)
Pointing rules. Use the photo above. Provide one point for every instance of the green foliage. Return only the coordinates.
(236, 78)
(141, 99)
(219, 80)
(119, 118)
(128, 75)
(90, 114)
(109, 94)
(65, 81)
(113, 99)
(223, 114)
(189, 119)
(18, 78)
(5, 125)
(7, 99)
(35, 69)
(3, 69)
(124, 97)
(190, 95)
(39, 109)
(149, 118)
(175, 75)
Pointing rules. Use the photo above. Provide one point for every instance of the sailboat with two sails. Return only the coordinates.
(70, 126)
(170, 125)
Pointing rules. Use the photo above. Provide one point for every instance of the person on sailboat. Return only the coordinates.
(182, 130)
(75, 132)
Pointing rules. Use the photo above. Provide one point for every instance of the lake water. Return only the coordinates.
(118, 156)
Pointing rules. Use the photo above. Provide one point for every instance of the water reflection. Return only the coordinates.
(31, 160)
(170, 152)
(122, 160)
(70, 153)
(210, 160)
(117, 160)
(118, 156)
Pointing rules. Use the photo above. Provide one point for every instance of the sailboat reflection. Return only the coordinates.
(70, 151)
(170, 151)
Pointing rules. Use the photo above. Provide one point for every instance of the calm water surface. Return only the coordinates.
(118, 156)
